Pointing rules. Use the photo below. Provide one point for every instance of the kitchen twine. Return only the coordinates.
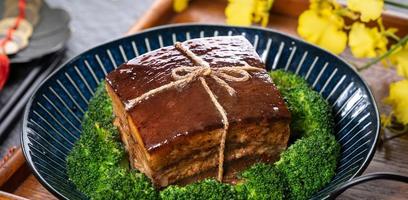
(4, 60)
(184, 75)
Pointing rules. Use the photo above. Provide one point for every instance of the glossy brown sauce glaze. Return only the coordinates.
(176, 113)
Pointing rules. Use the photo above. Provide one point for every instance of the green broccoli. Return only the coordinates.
(94, 162)
(207, 189)
(285, 80)
(308, 108)
(262, 181)
(311, 161)
(309, 164)
(304, 168)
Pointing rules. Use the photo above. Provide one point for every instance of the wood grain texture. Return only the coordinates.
(32, 189)
(9, 196)
(13, 163)
(18, 180)
(158, 13)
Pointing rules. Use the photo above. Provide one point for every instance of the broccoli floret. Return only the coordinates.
(208, 189)
(262, 181)
(309, 112)
(94, 162)
(308, 108)
(285, 80)
(309, 164)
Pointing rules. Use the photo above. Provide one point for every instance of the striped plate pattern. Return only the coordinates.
(53, 116)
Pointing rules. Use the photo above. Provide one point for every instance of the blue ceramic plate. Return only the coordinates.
(52, 121)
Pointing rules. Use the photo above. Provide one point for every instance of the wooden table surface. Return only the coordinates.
(392, 157)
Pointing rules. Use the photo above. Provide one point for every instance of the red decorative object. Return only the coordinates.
(4, 60)
(4, 69)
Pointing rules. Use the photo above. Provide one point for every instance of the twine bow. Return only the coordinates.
(184, 75)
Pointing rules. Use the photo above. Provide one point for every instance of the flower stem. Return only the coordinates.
(347, 13)
(396, 4)
(386, 54)
(392, 35)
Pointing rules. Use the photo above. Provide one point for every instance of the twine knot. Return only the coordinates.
(220, 75)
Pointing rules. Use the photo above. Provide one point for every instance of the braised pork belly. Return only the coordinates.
(174, 136)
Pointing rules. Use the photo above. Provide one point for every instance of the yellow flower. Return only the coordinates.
(398, 99)
(323, 28)
(369, 9)
(261, 11)
(239, 12)
(366, 42)
(180, 5)
(323, 4)
(386, 120)
(400, 60)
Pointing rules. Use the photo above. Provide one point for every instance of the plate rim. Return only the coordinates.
(24, 140)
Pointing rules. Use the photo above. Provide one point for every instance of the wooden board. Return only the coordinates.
(17, 182)
(283, 15)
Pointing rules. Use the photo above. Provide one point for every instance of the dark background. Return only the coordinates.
(92, 22)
